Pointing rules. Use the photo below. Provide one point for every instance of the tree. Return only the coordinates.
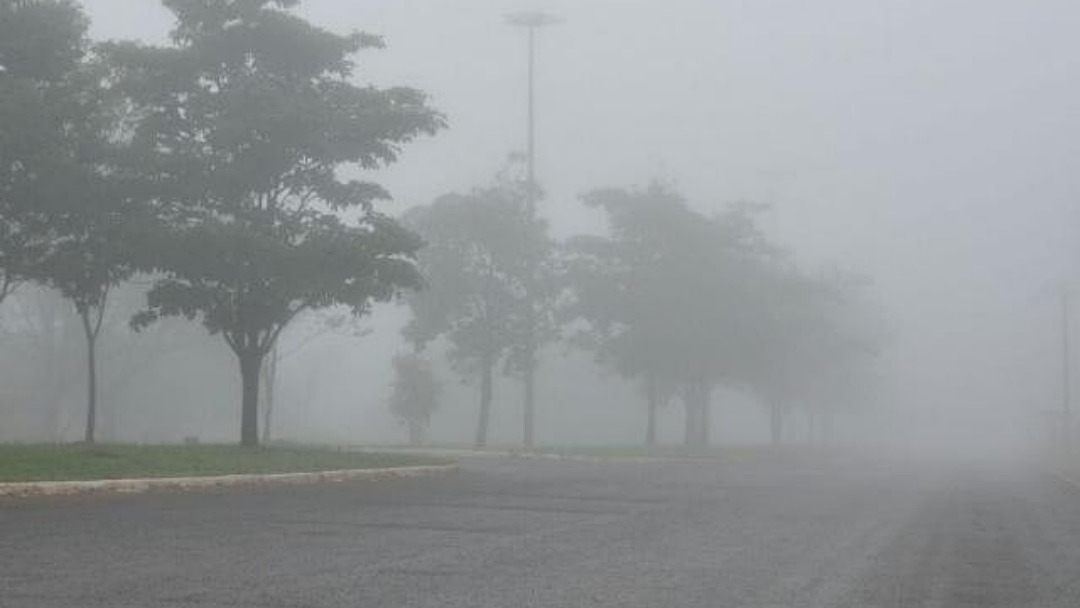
(791, 343)
(42, 45)
(84, 265)
(669, 295)
(477, 254)
(815, 346)
(271, 369)
(72, 235)
(847, 346)
(612, 279)
(95, 229)
(415, 395)
(541, 284)
(247, 125)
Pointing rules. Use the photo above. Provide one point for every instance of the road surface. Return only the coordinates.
(511, 532)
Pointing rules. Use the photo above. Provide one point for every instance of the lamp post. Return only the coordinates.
(531, 21)
(1066, 378)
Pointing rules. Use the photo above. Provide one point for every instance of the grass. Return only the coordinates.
(717, 452)
(642, 451)
(88, 462)
(615, 452)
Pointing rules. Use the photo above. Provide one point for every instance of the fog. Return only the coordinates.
(926, 146)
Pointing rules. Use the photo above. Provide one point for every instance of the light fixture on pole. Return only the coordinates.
(531, 21)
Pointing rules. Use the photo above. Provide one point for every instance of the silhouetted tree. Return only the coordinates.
(73, 234)
(245, 125)
(669, 295)
(42, 47)
(474, 265)
(415, 395)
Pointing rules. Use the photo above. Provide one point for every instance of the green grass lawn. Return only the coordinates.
(719, 452)
(615, 452)
(83, 462)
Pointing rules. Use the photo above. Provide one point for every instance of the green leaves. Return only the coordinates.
(481, 247)
(681, 299)
(41, 40)
(48, 118)
(246, 125)
(243, 130)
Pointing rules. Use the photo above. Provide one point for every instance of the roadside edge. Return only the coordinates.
(136, 486)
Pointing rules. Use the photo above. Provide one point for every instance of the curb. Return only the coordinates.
(137, 486)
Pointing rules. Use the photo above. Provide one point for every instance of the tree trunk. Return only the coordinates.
(269, 377)
(689, 420)
(776, 422)
(652, 398)
(91, 375)
(814, 420)
(416, 433)
(530, 399)
(696, 398)
(485, 402)
(827, 426)
(250, 365)
(705, 429)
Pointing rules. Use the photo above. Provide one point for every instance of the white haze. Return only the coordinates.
(929, 145)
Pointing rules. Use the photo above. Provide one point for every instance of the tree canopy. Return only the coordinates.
(684, 302)
(480, 248)
(42, 48)
(246, 126)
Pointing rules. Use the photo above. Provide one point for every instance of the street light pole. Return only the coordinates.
(1066, 378)
(531, 21)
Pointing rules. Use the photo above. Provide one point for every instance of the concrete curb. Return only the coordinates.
(135, 486)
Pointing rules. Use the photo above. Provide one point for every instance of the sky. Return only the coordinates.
(927, 144)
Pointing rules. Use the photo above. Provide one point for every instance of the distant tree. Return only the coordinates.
(246, 126)
(312, 327)
(42, 47)
(669, 295)
(844, 371)
(814, 348)
(475, 267)
(612, 279)
(415, 395)
(791, 343)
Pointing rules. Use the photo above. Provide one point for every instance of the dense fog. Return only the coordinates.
(925, 148)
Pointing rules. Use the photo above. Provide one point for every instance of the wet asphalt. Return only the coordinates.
(507, 532)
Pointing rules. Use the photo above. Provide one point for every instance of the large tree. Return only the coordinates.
(478, 253)
(248, 125)
(42, 46)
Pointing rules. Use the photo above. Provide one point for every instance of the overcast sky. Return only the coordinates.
(930, 144)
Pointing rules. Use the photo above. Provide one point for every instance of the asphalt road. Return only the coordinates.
(514, 532)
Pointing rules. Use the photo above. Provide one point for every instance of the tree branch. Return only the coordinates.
(102, 302)
(274, 333)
